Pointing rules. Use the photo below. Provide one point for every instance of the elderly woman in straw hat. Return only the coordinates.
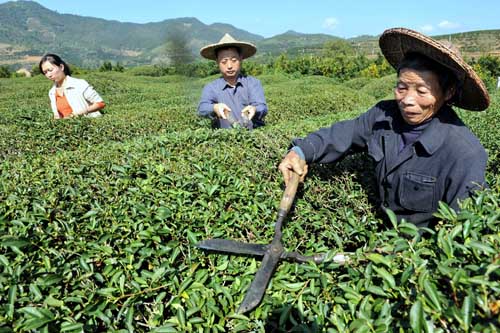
(233, 99)
(423, 152)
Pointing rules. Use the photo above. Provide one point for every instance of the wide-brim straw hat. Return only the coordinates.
(397, 42)
(247, 49)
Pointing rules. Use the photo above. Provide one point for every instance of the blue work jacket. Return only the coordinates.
(446, 162)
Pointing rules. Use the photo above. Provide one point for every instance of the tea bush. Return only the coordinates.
(382, 88)
(99, 218)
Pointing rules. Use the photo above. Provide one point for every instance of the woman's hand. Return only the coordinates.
(97, 106)
(292, 163)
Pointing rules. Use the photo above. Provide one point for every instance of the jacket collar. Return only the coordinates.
(434, 135)
(69, 83)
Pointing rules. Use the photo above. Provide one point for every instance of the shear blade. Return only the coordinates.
(256, 290)
(231, 246)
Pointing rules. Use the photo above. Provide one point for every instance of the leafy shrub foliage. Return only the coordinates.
(106, 66)
(98, 218)
(5, 72)
(341, 67)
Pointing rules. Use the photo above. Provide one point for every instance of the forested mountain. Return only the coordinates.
(28, 30)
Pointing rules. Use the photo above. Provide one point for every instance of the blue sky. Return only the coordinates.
(268, 18)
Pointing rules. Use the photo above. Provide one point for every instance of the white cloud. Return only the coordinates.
(427, 28)
(448, 25)
(330, 23)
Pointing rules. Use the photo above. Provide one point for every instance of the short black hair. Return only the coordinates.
(222, 48)
(56, 60)
(419, 62)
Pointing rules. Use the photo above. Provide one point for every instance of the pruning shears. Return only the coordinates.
(233, 121)
(271, 253)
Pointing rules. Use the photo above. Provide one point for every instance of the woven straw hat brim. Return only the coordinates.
(397, 42)
(247, 49)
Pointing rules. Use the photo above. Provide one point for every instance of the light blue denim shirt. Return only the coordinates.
(247, 91)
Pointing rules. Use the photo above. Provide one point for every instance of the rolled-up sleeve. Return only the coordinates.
(257, 98)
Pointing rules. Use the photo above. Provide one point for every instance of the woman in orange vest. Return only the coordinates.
(69, 97)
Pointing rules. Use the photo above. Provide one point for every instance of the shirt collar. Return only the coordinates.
(224, 84)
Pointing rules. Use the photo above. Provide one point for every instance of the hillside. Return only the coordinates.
(28, 30)
(294, 43)
(470, 44)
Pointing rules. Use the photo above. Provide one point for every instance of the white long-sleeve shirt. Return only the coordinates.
(79, 93)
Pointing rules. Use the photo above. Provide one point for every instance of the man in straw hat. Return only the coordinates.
(423, 152)
(233, 99)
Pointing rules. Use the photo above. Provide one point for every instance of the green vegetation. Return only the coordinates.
(28, 29)
(98, 218)
(340, 66)
(5, 72)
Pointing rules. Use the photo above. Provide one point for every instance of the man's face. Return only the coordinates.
(229, 62)
(419, 95)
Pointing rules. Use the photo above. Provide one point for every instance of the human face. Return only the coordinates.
(229, 62)
(419, 95)
(53, 72)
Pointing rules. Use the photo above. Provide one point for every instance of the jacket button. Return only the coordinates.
(386, 204)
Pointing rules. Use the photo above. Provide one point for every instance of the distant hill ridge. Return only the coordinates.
(28, 30)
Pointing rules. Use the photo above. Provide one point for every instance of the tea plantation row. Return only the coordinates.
(98, 218)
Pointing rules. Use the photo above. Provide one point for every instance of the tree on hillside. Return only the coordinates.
(118, 67)
(338, 47)
(106, 67)
(35, 70)
(491, 64)
(5, 72)
(177, 49)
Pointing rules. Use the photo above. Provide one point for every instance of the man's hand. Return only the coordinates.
(221, 110)
(249, 111)
(291, 163)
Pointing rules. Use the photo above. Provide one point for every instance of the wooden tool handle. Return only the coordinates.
(290, 190)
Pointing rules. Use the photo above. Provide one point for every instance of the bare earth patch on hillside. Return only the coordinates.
(21, 60)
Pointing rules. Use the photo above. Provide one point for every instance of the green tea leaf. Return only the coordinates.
(417, 317)
(467, 312)
(379, 259)
(432, 294)
(386, 276)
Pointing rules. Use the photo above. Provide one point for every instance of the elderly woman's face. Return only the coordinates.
(419, 95)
